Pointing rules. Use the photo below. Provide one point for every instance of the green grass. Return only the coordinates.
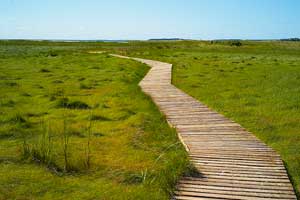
(256, 84)
(75, 125)
(43, 83)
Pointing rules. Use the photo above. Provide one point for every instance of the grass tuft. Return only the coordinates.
(84, 86)
(66, 103)
(17, 118)
(43, 70)
(99, 118)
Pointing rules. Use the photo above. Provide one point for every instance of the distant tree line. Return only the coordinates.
(291, 39)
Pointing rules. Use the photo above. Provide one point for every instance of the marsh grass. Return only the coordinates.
(128, 151)
(44, 151)
(111, 138)
(41, 149)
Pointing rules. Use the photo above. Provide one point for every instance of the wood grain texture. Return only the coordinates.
(232, 163)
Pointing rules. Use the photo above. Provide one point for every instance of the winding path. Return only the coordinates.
(232, 163)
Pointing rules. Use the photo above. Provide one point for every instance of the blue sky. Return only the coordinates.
(144, 19)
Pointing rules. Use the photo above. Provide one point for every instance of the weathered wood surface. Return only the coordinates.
(232, 163)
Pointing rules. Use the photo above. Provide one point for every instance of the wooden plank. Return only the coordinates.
(230, 194)
(229, 188)
(250, 174)
(225, 196)
(212, 182)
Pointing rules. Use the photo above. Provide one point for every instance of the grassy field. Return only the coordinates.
(118, 144)
(75, 125)
(256, 84)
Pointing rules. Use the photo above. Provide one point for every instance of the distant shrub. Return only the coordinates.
(52, 54)
(236, 43)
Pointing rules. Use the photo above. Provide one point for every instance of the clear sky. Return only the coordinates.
(144, 19)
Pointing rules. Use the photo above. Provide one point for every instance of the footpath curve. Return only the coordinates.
(232, 163)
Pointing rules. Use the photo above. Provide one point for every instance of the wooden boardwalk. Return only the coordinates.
(232, 163)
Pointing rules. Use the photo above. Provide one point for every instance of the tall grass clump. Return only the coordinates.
(65, 143)
(46, 149)
(41, 149)
(88, 146)
(25, 147)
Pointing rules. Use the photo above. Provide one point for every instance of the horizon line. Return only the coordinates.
(163, 38)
